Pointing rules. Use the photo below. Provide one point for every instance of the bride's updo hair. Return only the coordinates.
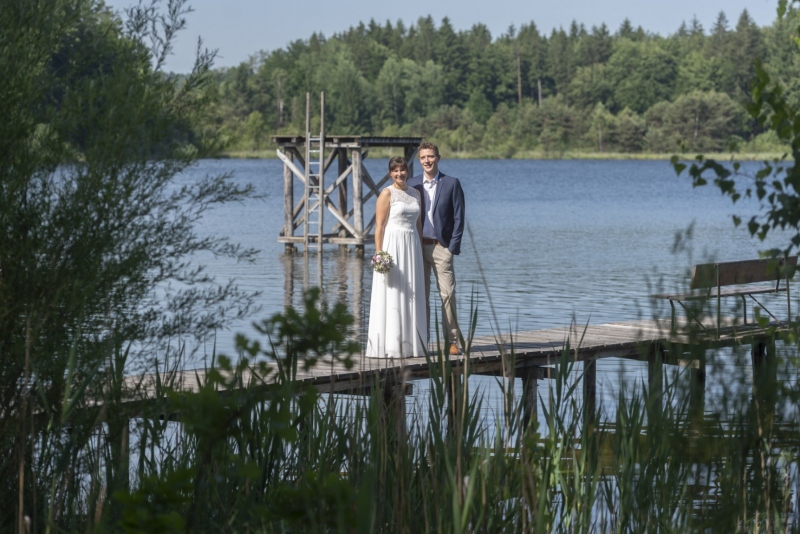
(397, 162)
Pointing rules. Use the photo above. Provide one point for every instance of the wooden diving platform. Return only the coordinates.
(344, 198)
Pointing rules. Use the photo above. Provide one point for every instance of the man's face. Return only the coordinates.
(429, 161)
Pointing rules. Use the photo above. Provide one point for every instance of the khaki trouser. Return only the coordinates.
(440, 260)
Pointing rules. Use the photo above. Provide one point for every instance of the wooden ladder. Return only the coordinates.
(315, 178)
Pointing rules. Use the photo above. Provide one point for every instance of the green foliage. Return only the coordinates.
(95, 235)
(603, 126)
(349, 97)
(698, 121)
(394, 80)
(479, 106)
(777, 183)
(156, 505)
(642, 74)
(591, 86)
(409, 91)
(696, 72)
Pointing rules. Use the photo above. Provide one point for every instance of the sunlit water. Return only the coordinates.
(548, 242)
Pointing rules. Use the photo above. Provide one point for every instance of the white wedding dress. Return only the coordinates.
(398, 326)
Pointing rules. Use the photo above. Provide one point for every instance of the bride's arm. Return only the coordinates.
(381, 217)
(421, 212)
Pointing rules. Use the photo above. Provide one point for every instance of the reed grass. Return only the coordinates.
(250, 452)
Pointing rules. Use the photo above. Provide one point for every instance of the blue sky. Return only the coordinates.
(240, 28)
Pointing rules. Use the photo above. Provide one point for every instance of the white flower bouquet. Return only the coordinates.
(382, 261)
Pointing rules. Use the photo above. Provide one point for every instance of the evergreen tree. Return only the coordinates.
(719, 47)
(591, 86)
(450, 54)
(481, 71)
(625, 30)
(642, 74)
(533, 58)
(561, 60)
(424, 44)
(746, 49)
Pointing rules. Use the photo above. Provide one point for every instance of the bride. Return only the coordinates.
(397, 319)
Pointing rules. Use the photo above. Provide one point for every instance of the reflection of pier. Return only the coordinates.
(346, 154)
(343, 282)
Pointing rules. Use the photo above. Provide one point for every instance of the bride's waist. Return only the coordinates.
(405, 227)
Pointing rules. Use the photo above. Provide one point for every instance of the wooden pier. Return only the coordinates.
(532, 356)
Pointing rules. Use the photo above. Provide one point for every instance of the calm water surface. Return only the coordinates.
(548, 242)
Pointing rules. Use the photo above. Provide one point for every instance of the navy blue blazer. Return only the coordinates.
(448, 209)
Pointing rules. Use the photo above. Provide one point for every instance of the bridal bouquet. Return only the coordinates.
(382, 261)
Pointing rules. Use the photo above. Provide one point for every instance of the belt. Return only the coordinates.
(427, 241)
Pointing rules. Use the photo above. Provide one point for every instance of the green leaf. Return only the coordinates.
(781, 8)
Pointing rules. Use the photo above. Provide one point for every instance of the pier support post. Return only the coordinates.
(341, 157)
(765, 371)
(394, 402)
(655, 369)
(589, 390)
(697, 381)
(288, 282)
(358, 201)
(119, 444)
(357, 272)
(288, 204)
(530, 396)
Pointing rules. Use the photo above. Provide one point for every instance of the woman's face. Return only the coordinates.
(399, 176)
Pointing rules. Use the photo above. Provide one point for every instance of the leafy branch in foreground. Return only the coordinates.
(98, 246)
(776, 185)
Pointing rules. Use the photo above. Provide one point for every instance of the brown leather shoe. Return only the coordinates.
(454, 350)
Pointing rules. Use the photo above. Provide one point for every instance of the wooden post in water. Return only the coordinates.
(697, 381)
(394, 402)
(530, 396)
(288, 204)
(288, 281)
(358, 211)
(762, 352)
(589, 390)
(357, 299)
(765, 371)
(655, 369)
(341, 157)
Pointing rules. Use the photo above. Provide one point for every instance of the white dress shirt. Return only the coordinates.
(428, 230)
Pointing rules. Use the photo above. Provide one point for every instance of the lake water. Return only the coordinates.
(548, 242)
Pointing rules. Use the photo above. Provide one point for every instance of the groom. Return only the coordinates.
(442, 228)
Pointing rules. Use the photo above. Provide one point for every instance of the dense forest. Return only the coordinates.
(521, 94)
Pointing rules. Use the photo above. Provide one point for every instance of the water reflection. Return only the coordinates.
(340, 276)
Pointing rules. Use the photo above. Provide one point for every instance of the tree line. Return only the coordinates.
(590, 90)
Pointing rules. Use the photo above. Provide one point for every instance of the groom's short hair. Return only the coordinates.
(429, 146)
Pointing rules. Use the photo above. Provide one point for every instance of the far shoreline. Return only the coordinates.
(541, 155)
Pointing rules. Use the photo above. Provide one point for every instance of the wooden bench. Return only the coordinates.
(709, 279)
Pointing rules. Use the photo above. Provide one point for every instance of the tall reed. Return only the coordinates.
(250, 451)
